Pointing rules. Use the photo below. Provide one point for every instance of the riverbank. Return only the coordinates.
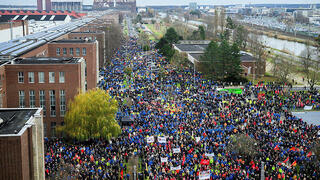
(280, 35)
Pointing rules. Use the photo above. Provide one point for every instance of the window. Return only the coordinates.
(61, 77)
(84, 51)
(32, 99)
(31, 77)
(51, 77)
(53, 129)
(71, 51)
(58, 51)
(42, 99)
(20, 77)
(21, 99)
(64, 51)
(62, 103)
(41, 77)
(78, 51)
(52, 103)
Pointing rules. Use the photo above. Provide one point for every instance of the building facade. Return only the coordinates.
(49, 83)
(43, 5)
(88, 49)
(21, 144)
(97, 35)
(66, 5)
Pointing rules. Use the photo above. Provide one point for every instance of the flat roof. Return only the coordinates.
(13, 120)
(87, 32)
(192, 47)
(73, 41)
(245, 57)
(47, 60)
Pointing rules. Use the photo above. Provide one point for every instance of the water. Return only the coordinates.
(295, 48)
(311, 117)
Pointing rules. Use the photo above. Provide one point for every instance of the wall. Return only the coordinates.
(91, 57)
(71, 86)
(99, 36)
(14, 157)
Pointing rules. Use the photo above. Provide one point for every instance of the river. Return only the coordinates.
(295, 48)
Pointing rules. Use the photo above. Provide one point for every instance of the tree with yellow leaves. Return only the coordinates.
(92, 115)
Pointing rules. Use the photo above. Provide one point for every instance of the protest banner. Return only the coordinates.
(150, 139)
(308, 108)
(209, 155)
(176, 150)
(164, 159)
(197, 139)
(204, 175)
(162, 139)
(175, 168)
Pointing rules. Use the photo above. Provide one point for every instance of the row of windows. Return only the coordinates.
(41, 77)
(90, 38)
(42, 101)
(64, 51)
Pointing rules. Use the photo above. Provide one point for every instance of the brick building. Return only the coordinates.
(88, 49)
(195, 49)
(49, 83)
(97, 35)
(21, 144)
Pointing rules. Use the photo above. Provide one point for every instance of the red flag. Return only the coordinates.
(309, 154)
(183, 159)
(293, 149)
(276, 148)
(121, 173)
(204, 162)
(285, 161)
(294, 163)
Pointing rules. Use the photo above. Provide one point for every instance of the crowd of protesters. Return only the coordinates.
(182, 126)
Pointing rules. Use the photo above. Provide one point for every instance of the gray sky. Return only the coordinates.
(180, 2)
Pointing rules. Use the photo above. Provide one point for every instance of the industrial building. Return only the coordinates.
(88, 49)
(46, 82)
(123, 5)
(93, 35)
(66, 5)
(21, 144)
(44, 5)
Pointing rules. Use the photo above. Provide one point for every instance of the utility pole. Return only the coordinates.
(11, 30)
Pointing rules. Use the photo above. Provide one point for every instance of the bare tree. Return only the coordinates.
(179, 59)
(310, 67)
(143, 39)
(243, 145)
(258, 50)
(222, 19)
(113, 38)
(216, 22)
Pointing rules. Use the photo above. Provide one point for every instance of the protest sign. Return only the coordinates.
(176, 150)
(162, 139)
(165, 159)
(204, 175)
(150, 139)
(175, 168)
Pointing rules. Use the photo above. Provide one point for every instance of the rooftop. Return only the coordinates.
(22, 45)
(47, 60)
(86, 32)
(74, 41)
(13, 120)
(192, 47)
(7, 18)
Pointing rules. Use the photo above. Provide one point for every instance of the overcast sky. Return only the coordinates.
(180, 2)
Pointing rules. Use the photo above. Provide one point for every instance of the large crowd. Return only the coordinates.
(182, 127)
